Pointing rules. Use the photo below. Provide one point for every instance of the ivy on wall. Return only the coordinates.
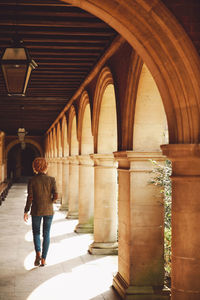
(161, 177)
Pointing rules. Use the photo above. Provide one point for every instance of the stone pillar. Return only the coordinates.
(185, 274)
(59, 178)
(86, 195)
(65, 183)
(105, 205)
(141, 229)
(73, 187)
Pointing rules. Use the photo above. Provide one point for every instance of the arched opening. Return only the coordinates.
(87, 146)
(107, 129)
(150, 122)
(74, 141)
(20, 160)
(65, 145)
(59, 142)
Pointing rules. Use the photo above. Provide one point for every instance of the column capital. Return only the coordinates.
(53, 160)
(65, 160)
(127, 158)
(85, 160)
(181, 151)
(59, 160)
(73, 160)
(185, 158)
(105, 160)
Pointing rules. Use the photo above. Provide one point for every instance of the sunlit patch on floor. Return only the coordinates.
(83, 282)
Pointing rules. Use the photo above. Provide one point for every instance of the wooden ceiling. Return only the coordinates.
(66, 43)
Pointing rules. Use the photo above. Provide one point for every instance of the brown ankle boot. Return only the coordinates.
(37, 259)
(43, 263)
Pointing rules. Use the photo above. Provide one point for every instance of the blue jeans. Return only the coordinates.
(36, 223)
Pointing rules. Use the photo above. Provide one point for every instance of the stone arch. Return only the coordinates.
(58, 140)
(150, 123)
(73, 142)
(19, 161)
(65, 145)
(28, 140)
(85, 137)
(105, 80)
(168, 53)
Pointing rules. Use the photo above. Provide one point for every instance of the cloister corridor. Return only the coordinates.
(71, 272)
(101, 89)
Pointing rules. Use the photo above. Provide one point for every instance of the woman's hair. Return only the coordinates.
(40, 165)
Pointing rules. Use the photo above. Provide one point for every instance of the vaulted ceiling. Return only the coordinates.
(66, 43)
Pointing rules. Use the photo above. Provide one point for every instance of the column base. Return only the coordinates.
(139, 292)
(103, 248)
(63, 207)
(72, 215)
(84, 228)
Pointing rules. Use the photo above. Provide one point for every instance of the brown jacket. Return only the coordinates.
(42, 192)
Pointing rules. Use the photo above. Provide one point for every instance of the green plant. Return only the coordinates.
(161, 177)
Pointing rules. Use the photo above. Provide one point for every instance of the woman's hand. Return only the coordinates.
(26, 217)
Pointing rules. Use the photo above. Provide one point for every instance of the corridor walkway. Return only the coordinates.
(71, 273)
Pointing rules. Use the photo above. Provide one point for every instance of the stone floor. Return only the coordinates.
(71, 273)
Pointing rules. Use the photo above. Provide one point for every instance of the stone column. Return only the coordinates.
(86, 195)
(105, 205)
(65, 183)
(141, 229)
(185, 272)
(59, 178)
(73, 188)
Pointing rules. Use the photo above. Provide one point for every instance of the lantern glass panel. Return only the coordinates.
(15, 76)
(14, 54)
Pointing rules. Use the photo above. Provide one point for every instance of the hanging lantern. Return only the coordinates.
(21, 134)
(16, 67)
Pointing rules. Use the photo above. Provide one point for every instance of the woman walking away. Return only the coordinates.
(42, 192)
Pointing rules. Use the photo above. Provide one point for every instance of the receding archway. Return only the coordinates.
(19, 161)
